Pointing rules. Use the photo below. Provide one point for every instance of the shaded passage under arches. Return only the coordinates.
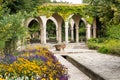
(82, 31)
(51, 31)
(34, 31)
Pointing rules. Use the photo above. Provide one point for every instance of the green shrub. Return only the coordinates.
(93, 43)
(110, 46)
(103, 49)
(113, 31)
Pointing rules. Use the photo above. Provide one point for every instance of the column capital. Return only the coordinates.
(76, 27)
(88, 26)
(66, 24)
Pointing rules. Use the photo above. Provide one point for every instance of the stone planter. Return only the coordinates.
(60, 47)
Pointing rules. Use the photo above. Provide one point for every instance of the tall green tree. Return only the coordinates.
(23, 5)
(87, 1)
(106, 13)
(11, 30)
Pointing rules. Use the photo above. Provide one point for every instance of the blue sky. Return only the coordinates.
(71, 1)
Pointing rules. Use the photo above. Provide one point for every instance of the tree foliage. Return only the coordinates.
(23, 5)
(12, 16)
(106, 11)
(87, 1)
(113, 31)
(11, 30)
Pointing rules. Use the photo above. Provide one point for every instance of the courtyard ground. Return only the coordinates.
(85, 64)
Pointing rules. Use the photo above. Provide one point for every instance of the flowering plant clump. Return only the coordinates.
(33, 64)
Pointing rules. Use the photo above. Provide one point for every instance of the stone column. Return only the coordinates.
(59, 33)
(43, 35)
(88, 31)
(72, 34)
(66, 31)
(42, 20)
(77, 34)
(72, 29)
(94, 28)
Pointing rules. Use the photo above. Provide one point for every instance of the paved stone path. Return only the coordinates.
(106, 66)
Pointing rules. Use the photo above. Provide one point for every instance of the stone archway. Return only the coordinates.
(56, 25)
(76, 18)
(51, 30)
(82, 31)
(59, 20)
(36, 34)
(34, 31)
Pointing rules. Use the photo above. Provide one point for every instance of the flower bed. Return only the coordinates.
(32, 64)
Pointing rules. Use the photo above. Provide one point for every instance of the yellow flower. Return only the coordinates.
(51, 78)
(44, 68)
(57, 79)
(2, 79)
(43, 79)
(49, 63)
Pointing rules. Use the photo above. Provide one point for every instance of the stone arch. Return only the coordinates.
(27, 24)
(42, 21)
(74, 20)
(56, 25)
(59, 20)
(85, 22)
(88, 28)
(54, 20)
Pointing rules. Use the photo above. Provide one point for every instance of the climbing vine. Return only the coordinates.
(64, 10)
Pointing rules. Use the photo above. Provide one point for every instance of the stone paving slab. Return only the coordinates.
(74, 73)
(107, 66)
(73, 51)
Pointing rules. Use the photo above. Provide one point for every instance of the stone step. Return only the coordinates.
(74, 73)
(84, 69)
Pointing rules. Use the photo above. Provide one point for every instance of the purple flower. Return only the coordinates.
(43, 58)
(63, 77)
(32, 51)
(10, 58)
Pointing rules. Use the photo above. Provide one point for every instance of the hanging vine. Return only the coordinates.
(64, 10)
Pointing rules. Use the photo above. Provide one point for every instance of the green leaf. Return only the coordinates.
(2, 45)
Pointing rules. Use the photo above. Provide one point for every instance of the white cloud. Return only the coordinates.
(71, 1)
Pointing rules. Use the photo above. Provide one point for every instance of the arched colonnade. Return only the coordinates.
(70, 23)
